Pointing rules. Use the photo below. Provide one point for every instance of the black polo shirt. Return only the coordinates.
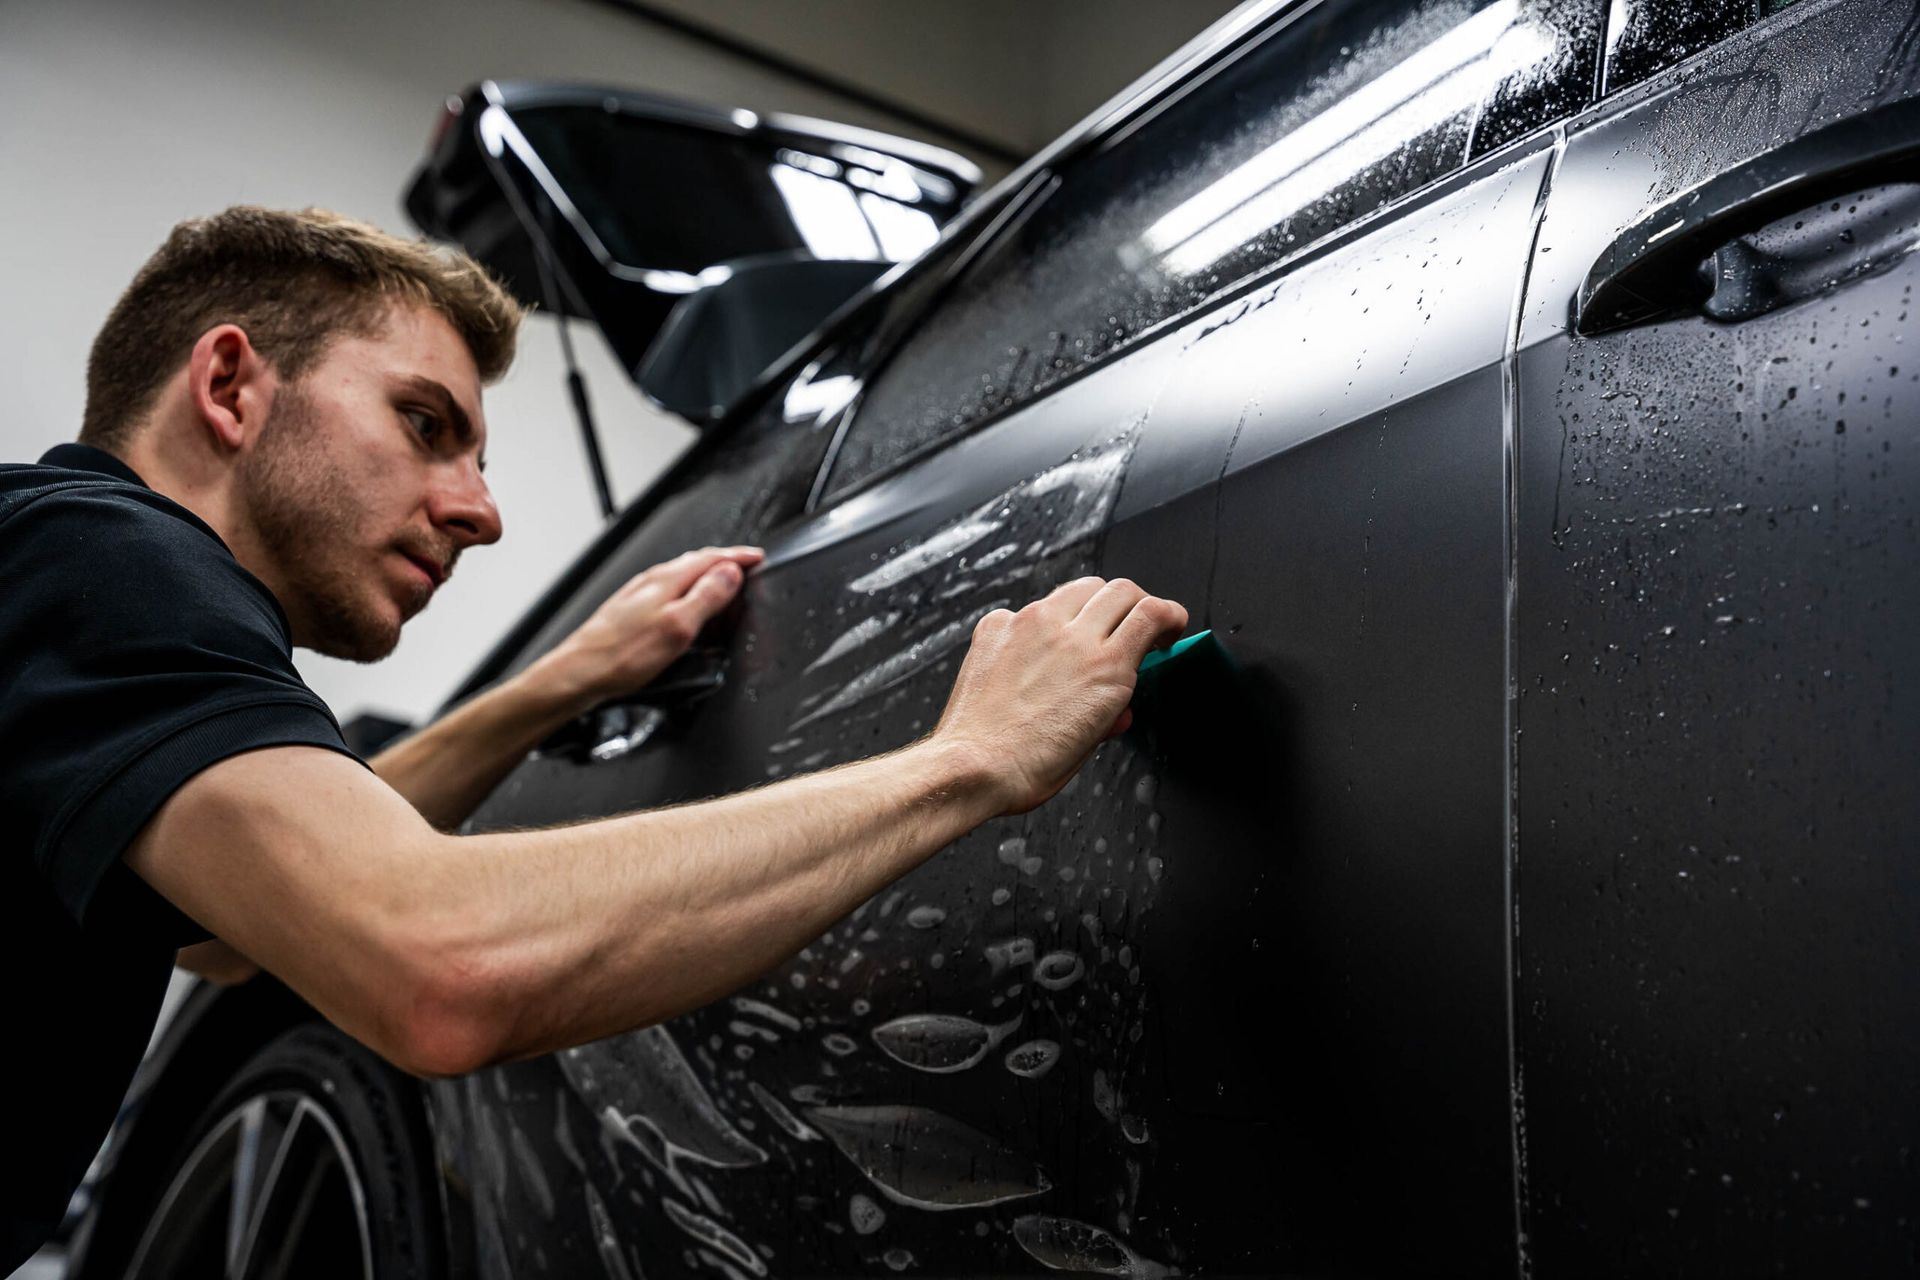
(134, 652)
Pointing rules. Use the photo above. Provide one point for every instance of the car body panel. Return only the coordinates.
(1716, 994)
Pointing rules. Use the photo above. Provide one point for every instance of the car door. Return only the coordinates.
(1717, 728)
(1061, 1043)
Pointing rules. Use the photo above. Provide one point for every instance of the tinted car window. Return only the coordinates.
(1328, 118)
(759, 196)
(1648, 36)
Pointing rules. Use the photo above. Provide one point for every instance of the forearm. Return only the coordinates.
(447, 768)
(641, 918)
(216, 961)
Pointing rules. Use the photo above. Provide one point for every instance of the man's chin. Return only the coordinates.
(357, 648)
(353, 637)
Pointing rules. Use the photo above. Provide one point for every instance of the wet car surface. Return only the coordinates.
(1523, 883)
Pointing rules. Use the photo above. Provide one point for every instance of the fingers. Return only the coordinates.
(1149, 624)
(1109, 606)
(1068, 599)
(678, 575)
(711, 592)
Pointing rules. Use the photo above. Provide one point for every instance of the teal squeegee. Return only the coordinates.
(1168, 654)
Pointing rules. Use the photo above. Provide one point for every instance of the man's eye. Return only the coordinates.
(423, 422)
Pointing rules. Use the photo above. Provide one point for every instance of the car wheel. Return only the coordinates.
(313, 1162)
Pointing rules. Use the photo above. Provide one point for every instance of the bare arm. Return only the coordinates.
(445, 953)
(446, 769)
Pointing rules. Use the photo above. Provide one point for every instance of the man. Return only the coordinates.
(283, 445)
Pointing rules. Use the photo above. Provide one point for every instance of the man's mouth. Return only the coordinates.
(435, 574)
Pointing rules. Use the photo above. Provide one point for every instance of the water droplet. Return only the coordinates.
(925, 917)
(1002, 896)
(1134, 1129)
(866, 1216)
(939, 1043)
(927, 1160)
(1034, 1058)
(1145, 789)
(1012, 850)
(760, 1009)
(777, 1110)
(1010, 953)
(839, 1044)
(1067, 1245)
(897, 1258)
(1059, 970)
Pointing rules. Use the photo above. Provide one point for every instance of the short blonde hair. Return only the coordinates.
(295, 281)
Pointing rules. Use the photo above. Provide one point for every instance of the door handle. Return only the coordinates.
(624, 725)
(1654, 268)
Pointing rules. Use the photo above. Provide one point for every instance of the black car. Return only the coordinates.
(1523, 877)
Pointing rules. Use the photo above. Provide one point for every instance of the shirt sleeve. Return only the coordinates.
(135, 651)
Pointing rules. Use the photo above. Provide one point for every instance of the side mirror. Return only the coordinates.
(614, 207)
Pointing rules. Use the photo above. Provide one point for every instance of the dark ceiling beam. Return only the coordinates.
(980, 144)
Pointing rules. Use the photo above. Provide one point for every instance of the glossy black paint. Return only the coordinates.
(1654, 267)
(1716, 994)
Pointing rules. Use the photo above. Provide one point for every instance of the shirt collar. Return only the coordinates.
(84, 457)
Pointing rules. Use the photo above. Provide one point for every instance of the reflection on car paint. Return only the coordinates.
(644, 1079)
(860, 633)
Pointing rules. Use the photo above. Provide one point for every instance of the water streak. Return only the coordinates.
(761, 1009)
(606, 1241)
(792, 1124)
(918, 558)
(904, 665)
(709, 1232)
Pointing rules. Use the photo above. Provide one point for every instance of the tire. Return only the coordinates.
(332, 1147)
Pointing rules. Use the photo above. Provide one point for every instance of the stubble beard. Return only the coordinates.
(306, 520)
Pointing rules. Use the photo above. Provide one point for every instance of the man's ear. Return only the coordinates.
(232, 385)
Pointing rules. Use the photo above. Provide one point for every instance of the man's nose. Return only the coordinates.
(463, 505)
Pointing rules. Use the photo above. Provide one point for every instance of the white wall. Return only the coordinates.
(120, 117)
(1019, 72)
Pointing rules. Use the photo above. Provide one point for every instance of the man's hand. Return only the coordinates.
(646, 624)
(1041, 688)
(446, 769)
